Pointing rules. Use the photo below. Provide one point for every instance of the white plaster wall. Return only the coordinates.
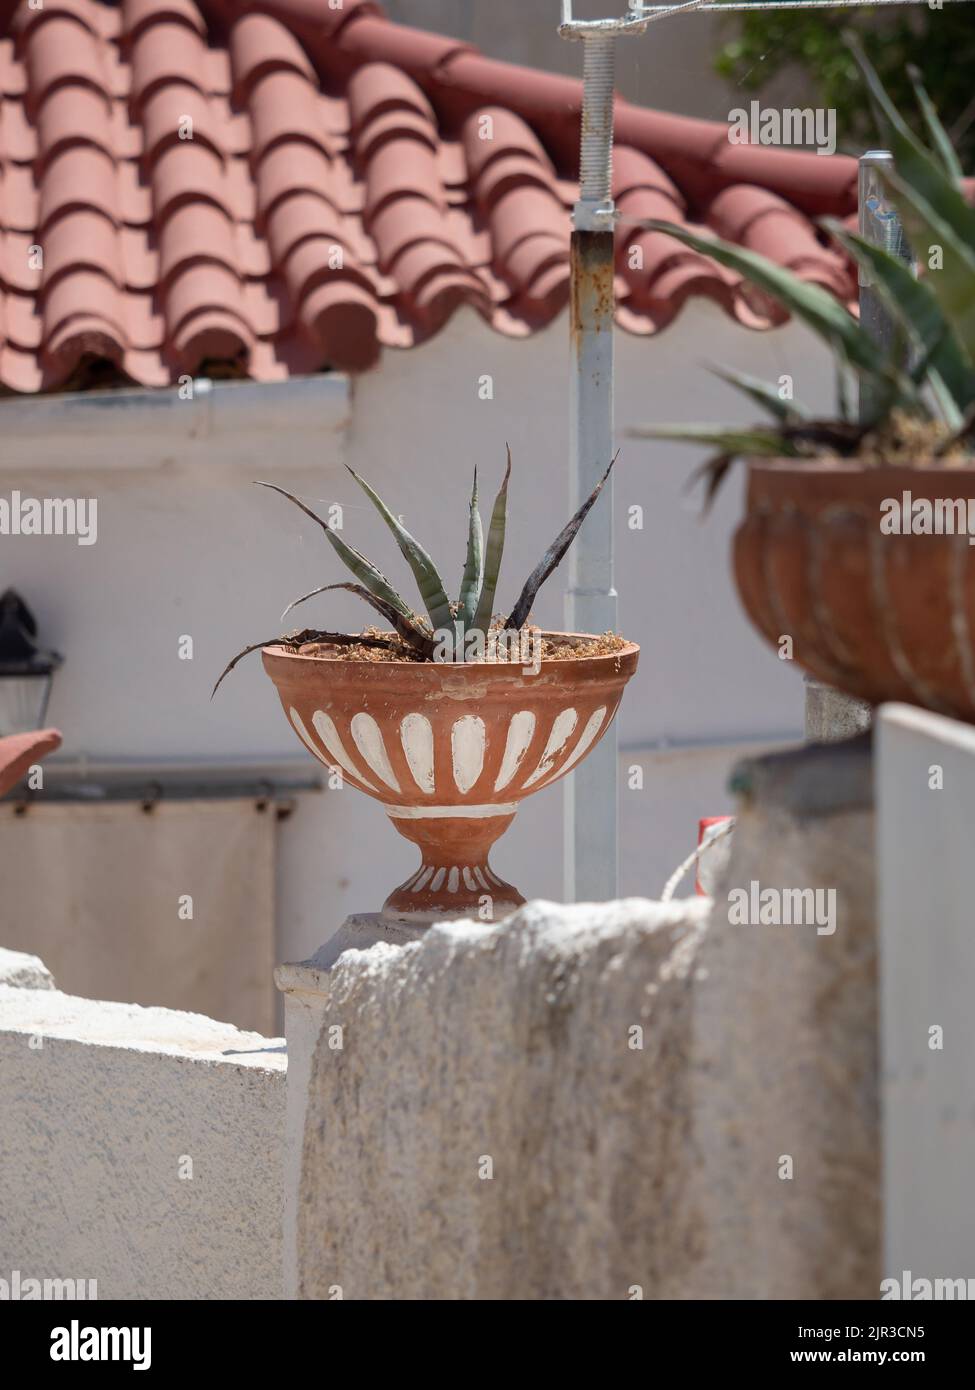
(191, 548)
(141, 1148)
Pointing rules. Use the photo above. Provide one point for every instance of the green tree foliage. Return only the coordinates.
(940, 43)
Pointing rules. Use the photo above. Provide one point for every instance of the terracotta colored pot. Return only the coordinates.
(450, 751)
(880, 616)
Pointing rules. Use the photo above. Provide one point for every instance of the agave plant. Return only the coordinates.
(928, 373)
(445, 624)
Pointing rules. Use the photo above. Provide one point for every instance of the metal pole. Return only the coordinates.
(829, 714)
(879, 224)
(591, 846)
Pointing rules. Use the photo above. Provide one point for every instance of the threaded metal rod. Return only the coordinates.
(596, 154)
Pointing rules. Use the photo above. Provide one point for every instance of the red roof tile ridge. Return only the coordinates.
(271, 187)
(459, 78)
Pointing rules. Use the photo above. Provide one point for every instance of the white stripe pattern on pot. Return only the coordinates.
(593, 726)
(416, 736)
(369, 741)
(450, 878)
(520, 733)
(334, 746)
(557, 739)
(461, 812)
(467, 750)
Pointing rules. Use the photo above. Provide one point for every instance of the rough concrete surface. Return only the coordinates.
(505, 1048)
(479, 1124)
(23, 971)
(788, 1040)
(139, 1147)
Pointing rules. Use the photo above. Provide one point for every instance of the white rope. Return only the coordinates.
(670, 887)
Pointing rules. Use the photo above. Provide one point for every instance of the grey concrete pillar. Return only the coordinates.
(926, 877)
(831, 715)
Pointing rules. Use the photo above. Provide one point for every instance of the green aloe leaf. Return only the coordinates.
(297, 639)
(712, 474)
(762, 392)
(916, 305)
(914, 164)
(493, 554)
(553, 557)
(406, 627)
(254, 646)
(953, 283)
(425, 572)
(363, 569)
(811, 304)
(940, 138)
(767, 441)
(470, 585)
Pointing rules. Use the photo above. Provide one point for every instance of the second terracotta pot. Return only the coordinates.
(879, 615)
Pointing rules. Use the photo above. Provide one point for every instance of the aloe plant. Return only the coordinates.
(928, 373)
(472, 612)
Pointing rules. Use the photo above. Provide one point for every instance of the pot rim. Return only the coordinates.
(474, 670)
(835, 465)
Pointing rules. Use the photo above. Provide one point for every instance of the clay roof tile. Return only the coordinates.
(288, 186)
(260, 44)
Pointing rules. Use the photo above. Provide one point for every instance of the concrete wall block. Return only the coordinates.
(20, 970)
(141, 1148)
(479, 1120)
(926, 809)
(505, 1051)
(787, 1043)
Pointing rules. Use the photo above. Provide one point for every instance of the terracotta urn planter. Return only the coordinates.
(874, 606)
(450, 751)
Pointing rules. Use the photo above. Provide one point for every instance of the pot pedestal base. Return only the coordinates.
(454, 879)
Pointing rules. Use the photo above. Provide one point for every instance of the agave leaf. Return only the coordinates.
(946, 401)
(914, 164)
(254, 646)
(714, 472)
(493, 553)
(297, 639)
(363, 569)
(762, 392)
(839, 436)
(406, 627)
(916, 305)
(954, 283)
(470, 584)
(939, 136)
(425, 572)
(553, 556)
(766, 440)
(963, 429)
(813, 305)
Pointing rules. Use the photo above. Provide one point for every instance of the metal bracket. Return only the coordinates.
(594, 217)
(637, 22)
